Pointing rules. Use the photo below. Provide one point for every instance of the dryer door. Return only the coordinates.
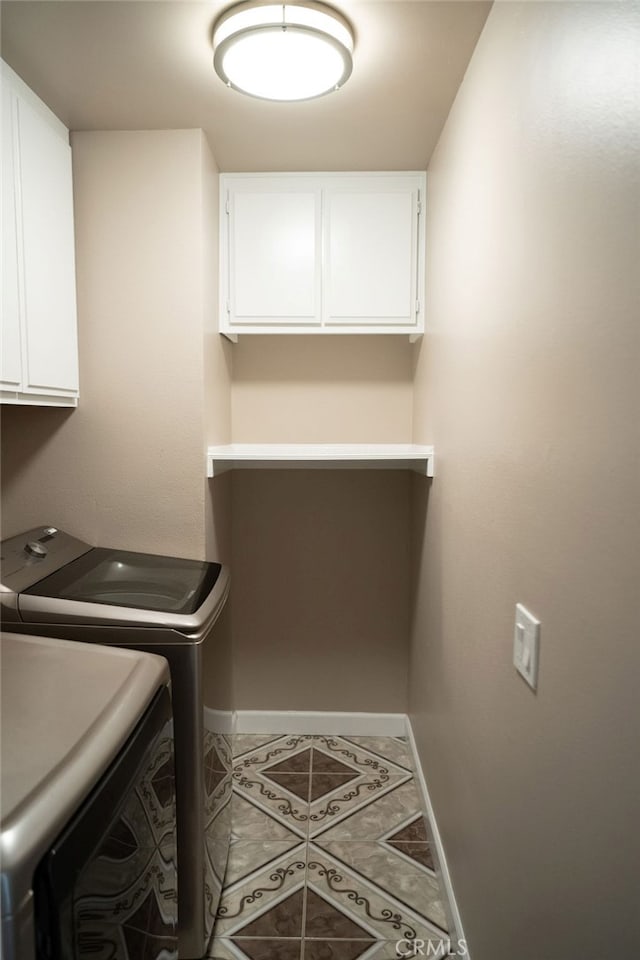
(108, 889)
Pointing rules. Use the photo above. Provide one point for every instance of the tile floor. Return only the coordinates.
(330, 857)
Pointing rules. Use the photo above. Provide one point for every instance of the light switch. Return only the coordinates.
(526, 643)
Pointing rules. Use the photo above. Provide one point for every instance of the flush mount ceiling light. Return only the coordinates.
(282, 51)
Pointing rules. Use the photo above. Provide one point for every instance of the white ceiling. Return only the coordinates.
(142, 64)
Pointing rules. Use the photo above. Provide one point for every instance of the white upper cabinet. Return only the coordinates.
(11, 360)
(274, 254)
(39, 328)
(371, 251)
(322, 253)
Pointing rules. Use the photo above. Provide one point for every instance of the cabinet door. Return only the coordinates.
(273, 255)
(11, 375)
(371, 252)
(51, 360)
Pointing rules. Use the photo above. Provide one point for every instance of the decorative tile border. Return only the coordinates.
(308, 784)
(382, 815)
(413, 887)
(395, 749)
(242, 949)
(246, 949)
(251, 819)
(246, 742)
(267, 899)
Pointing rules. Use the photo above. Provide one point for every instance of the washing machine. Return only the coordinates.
(56, 585)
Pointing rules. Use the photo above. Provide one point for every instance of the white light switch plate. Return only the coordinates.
(526, 644)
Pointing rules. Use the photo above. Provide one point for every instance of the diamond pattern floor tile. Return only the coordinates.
(410, 884)
(246, 949)
(325, 920)
(267, 898)
(252, 819)
(252, 857)
(337, 949)
(243, 743)
(395, 749)
(296, 783)
(383, 810)
(331, 857)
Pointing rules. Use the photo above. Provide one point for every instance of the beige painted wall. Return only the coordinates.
(308, 389)
(528, 384)
(320, 589)
(320, 559)
(127, 467)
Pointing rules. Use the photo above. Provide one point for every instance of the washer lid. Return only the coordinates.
(126, 588)
(142, 581)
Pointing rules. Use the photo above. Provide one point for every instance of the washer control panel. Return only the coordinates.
(35, 549)
(33, 555)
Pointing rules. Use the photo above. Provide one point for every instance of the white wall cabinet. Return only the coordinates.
(39, 325)
(322, 253)
(274, 253)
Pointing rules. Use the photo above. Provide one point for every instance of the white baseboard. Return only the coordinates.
(457, 933)
(219, 721)
(321, 722)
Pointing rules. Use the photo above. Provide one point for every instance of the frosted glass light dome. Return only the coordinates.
(282, 51)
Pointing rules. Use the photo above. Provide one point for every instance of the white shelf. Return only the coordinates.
(320, 456)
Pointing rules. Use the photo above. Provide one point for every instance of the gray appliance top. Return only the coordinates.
(66, 710)
(49, 577)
